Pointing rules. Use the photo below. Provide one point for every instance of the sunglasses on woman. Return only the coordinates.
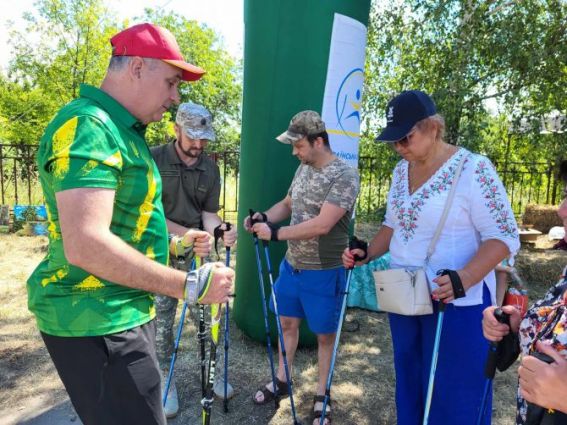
(404, 142)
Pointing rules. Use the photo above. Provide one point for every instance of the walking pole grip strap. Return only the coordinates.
(456, 283)
(218, 233)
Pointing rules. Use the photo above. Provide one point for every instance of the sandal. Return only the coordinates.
(270, 395)
(317, 413)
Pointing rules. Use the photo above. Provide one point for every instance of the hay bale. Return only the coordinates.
(540, 269)
(541, 217)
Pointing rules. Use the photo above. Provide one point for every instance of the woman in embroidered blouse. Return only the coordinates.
(479, 232)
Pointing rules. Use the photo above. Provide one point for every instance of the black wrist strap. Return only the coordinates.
(274, 228)
(456, 282)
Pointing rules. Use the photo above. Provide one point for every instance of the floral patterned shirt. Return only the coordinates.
(480, 211)
(546, 321)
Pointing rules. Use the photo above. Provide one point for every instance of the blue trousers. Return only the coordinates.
(459, 379)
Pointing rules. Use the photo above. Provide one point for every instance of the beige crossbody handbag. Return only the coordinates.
(404, 291)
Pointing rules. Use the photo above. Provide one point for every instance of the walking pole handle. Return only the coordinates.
(456, 283)
(218, 233)
(356, 243)
(253, 220)
(492, 359)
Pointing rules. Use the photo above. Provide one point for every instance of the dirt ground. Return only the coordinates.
(363, 389)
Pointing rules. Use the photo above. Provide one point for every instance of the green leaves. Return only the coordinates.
(463, 52)
(66, 43)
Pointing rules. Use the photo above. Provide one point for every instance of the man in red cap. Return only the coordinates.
(108, 242)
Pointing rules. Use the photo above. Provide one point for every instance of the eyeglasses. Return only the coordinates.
(403, 142)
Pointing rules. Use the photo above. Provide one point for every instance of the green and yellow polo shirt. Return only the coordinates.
(94, 142)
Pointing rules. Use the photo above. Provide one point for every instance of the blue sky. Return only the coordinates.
(224, 16)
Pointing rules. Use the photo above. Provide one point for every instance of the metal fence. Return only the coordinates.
(530, 183)
(18, 175)
(525, 182)
(19, 178)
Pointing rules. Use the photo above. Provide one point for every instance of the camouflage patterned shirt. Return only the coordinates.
(336, 183)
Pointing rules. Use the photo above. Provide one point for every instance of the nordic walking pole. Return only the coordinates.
(176, 345)
(434, 362)
(201, 336)
(355, 243)
(490, 366)
(226, 333)
(456, 283)
(265, 311)
(280, 333)
(226, 340)
(218, 234)
(207, 402)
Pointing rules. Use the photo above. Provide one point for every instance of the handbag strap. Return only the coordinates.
(448, 203)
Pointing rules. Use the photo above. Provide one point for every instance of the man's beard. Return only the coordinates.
(192, 153)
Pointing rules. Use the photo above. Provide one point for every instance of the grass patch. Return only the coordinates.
(363, 387)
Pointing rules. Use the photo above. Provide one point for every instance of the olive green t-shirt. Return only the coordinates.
(187, 191)
(94, 142)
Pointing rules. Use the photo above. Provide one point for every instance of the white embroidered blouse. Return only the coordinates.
(480, 211)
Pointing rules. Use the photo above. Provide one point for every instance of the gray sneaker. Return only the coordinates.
(172, 403)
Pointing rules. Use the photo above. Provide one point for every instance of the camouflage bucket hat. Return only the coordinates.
(195, 121)
(305, 123)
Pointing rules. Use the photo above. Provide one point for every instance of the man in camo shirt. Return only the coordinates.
(311, 279)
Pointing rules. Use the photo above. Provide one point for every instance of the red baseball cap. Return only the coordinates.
(150, 41)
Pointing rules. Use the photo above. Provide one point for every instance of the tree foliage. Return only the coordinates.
(66, 43)
(219, 90)
(465, 52)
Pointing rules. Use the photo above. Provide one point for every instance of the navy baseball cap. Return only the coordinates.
(403, 112)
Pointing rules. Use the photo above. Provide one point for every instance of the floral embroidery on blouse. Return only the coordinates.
(440, 182)
(546, 321)
(494, 200)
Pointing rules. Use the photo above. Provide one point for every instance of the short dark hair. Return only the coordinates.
(323, 135)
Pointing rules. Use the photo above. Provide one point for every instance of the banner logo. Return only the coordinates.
(347, 103)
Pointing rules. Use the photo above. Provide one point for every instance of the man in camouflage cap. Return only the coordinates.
(302, 124)
(191, 190)
(320, 202)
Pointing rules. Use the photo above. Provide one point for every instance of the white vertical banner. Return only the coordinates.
(343, 88)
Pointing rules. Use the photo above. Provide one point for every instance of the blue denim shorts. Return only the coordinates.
(314, 295)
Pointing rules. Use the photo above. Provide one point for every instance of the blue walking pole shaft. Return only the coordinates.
(265, 312)
(174, 355)
(280, 333)
(434, 362)
(489, 372)
(175, 347)
(335, 349)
